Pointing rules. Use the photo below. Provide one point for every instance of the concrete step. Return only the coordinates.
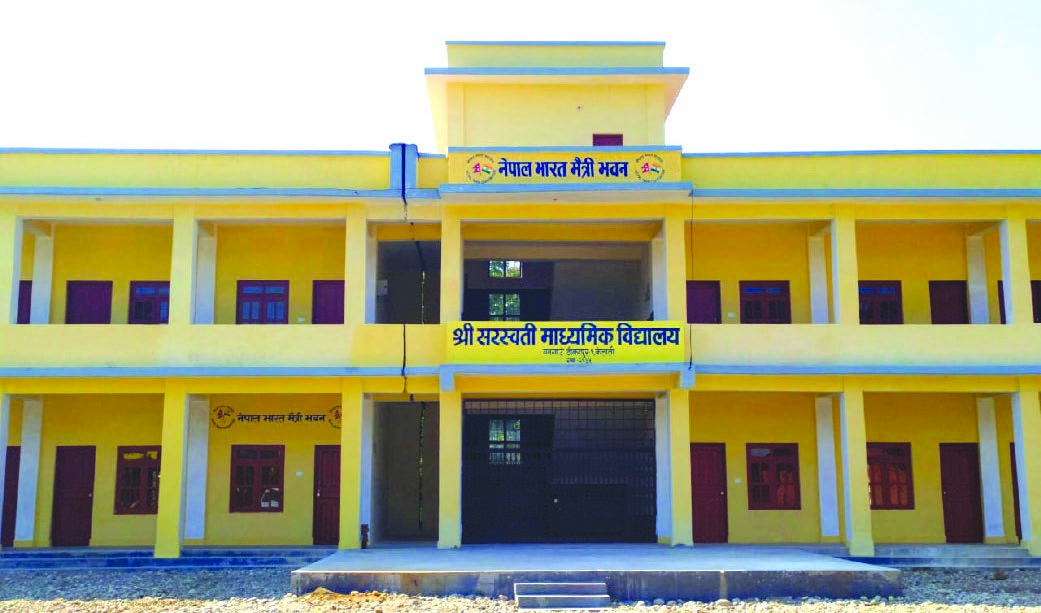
(140, 562)
(951, 551)
(562, 589)
(563, 601)
(976, 563)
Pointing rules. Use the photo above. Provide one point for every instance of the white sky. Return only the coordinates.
(765, 76)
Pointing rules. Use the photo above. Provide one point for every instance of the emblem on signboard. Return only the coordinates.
(650, 168)
(334, 417)
(480, 168)
(222, 417)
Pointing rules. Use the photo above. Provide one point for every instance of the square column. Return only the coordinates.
(450, 471)
(662, 473)
(827, 482)
(351, 406)
(169, 523)
(845, 279)
(10, 266)
(197, 465)
(855, 489)
(359, 299)
(182, 266)
(28, 472)
(451, 268)
(818, 280)
(976, 260)
(1015, 271)
(1026, 424)
(206, 273)
(679, 469)
(990, 472)
(43, 278)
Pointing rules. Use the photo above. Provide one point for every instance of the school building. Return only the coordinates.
(555, 328)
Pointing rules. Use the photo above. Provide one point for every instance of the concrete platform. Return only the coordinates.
(632, 572)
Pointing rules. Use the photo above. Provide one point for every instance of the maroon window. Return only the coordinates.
(773, 476)
(607, 140)
(889, 475)
(703, 302)
(88, 302)
(137, 480)
(25, 297)
(149, 302)
(880, 302)
(263, 302)
(949, 302)
(257, 473)
(765, 302)
(1035, 295)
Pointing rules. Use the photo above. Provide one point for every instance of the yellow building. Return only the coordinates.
(555, 329)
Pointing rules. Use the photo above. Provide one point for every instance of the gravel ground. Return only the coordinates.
(267, 590)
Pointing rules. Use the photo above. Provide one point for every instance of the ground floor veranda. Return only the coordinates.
(769, 460)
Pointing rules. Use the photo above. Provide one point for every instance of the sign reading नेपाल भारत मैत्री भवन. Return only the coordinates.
(502, 342)
(483, 168)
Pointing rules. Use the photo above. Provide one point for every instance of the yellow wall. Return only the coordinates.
(778, 252)
(505, 115)
(120, 254)
(106, 421)
(432, 172)
(293, 525)
(913, 254)
(14, 429)
(28, 251)
(737, 418)
(299, 254)
(604, 56)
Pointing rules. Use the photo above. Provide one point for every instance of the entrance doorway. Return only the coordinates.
(73, 496)
(10, 485)
(539, 471)
(325, 527)
(960, 483)
(708, 485)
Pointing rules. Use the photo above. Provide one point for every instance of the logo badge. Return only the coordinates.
(480, 168)
(334, 417)
(222, 417)
(650, 168)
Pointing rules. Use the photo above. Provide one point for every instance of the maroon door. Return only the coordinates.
(73, 496)
(25, 297)
(88, 302)
(960, 483)
(326, 525)
(703, 302)
(10, 497)
(708, 485)
(327, 302)
(949, 302)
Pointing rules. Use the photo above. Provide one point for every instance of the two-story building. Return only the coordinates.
(557, 328)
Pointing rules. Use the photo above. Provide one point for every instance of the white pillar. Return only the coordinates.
(659, 278)
(371, 272)
(827, 483)
(196, 467)
(990, 473)
(1026, 425)
(818, 280)
(368, 414)
(1015, 271)
(976, 256)
(205, 273)
(28, 472)
(5, 420)
(663, 477)
(43, 274)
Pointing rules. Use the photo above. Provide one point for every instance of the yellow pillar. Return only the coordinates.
(350, 463)
(355, 269)
(182, 265)
(845, 282)
(1026, 420)
(450, 471)
(10, 265)
(451, 268)
(169, 523)
(858, 535)
(1015, 271)
(675, 267)
(679, 467)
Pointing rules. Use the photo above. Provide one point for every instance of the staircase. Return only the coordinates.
(556, 596)
(955, 556)
(142, 559)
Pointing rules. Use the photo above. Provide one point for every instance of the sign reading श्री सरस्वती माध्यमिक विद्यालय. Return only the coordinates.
(563, 167)
(513, 342)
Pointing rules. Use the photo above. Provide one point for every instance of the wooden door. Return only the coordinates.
(10, 497)
(25, 300)
(73, 496)
(88, 302)
(703, 302)
(326, 524)
(949, 302)
(708, 485)
(960, 483)
(327, 302)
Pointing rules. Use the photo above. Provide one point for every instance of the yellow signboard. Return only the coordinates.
(557, 342)
(503, 167)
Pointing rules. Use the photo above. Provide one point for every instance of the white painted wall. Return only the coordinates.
(976, 256)
(990, 473)
(205, 274)
(1017, 428)
(43, 280)
(29, 469)
(818, 280)
(196, 462)
(663, 477)
(827, 482)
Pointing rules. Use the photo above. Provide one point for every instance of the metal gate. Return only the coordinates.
(558, 471)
